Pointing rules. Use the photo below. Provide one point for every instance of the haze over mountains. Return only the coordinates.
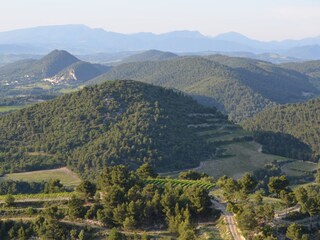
(240, 87)
(57, 67)
(80, 39)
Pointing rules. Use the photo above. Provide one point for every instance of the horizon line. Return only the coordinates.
(157, 33)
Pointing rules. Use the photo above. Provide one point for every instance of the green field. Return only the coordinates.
(4, 109)
(183, 183)
(40, 196)
(240, 157)
(70, 89)
(222, 131)
(299, 168)
(67, 177)
(235, 157)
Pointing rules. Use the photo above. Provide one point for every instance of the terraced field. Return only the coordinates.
(238, 158)
(237, 153)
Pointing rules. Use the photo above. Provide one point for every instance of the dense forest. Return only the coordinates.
(310, 68)
(124, 202)
(299, 120)
(118, 122)
(240, 87)
(150, 55)
(283, 145)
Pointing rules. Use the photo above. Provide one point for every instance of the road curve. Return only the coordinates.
(230, 220)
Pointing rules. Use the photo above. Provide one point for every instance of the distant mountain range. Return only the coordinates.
(80, 39)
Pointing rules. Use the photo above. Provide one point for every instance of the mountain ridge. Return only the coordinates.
(81, 39)
(241, 86)
(53, 68)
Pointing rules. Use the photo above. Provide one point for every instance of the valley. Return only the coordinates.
(70, 148)
(159, 120)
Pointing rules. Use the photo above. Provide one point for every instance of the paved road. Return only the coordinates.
(230, 220)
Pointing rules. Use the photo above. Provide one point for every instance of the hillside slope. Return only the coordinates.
(119, 122)
(150, 55)
(310, 68)
(240, 87)
(49, 68)
(300, 120)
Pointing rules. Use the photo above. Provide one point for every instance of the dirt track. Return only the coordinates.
(230, 220)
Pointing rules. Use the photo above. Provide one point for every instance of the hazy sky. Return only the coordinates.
(260, 19)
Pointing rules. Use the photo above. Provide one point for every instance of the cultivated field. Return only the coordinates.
(67, 177)
(183, 183)
(240, 157)
(299, 168)
(4, 109)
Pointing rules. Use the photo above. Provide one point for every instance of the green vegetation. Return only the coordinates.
(310, 68)
(238, 158)
(283, 145)
(150, 55)
(40, 196)
(125, 204)
(299, 168)
(67, 177)
(238, 86)
(183, 183)
(5, 109)
(256, 212)
(32, 71)
(298, 120)
(129, 204)
(55, 72)
(20, 187)
(120, 122)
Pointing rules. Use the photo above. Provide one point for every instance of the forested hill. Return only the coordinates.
(310, 68)
(151, 55)
(57, 67)
(300, 120)
(118, 122)
(238, 86)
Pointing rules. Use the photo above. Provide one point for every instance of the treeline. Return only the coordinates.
(21, 187)
(123, 203)
(214, 82)
(130, 204)
(120, 122)
(299, 120)
(283, 145)
(20, 101)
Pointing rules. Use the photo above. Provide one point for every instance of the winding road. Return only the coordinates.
(230, 220)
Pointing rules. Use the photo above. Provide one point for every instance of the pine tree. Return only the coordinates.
(81, 235)
(115, 235)
(294, 232)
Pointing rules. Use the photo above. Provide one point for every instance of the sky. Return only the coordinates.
(258, 19)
